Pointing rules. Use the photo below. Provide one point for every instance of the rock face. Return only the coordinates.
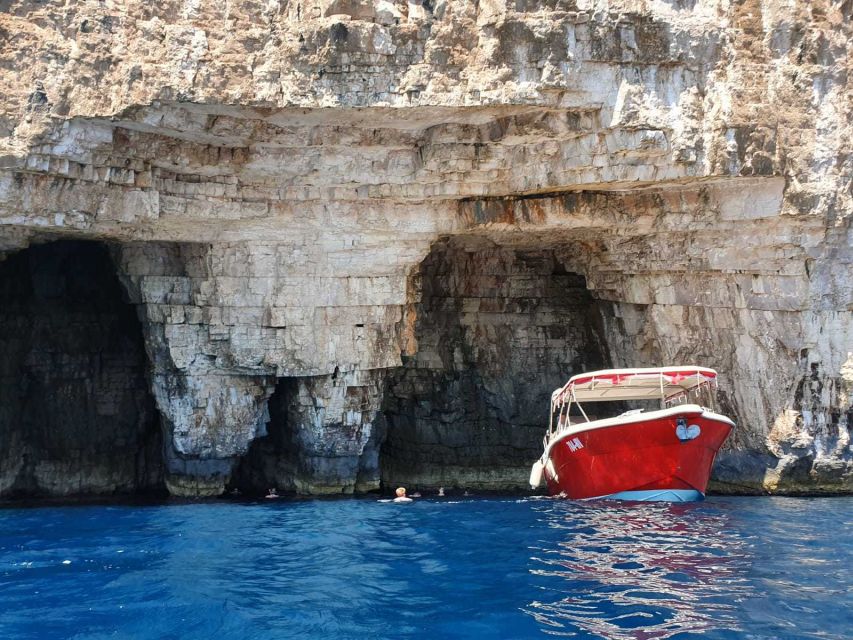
(363, 239)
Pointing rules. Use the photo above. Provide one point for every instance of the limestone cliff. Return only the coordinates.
(364, 240)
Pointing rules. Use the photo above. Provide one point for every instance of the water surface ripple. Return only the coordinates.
(438, 568)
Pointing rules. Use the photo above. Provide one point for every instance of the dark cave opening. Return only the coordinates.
(76, 414)
(497, 328)
(272, 460)
(322, 437)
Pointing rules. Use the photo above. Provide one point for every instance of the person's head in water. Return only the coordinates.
(401, 495)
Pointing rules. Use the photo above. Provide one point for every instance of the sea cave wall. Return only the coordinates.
(353, 244)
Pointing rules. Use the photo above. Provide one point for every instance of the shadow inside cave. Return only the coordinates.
(498, 328)
(76, 414)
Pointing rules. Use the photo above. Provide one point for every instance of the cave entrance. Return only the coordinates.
(497, 328)
(76, 414)
(322, 437)
(273, 458)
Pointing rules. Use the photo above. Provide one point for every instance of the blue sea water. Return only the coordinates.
(437, 568)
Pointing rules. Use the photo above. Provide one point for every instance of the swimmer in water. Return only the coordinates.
(401, 495)
(272, 493)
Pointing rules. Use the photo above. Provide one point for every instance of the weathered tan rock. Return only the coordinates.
(272, 175)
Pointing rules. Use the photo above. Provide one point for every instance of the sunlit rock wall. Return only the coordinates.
(274, 173)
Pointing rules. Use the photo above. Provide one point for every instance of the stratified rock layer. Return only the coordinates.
(275, 179)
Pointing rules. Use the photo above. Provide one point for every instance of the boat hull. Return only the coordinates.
(668, 457)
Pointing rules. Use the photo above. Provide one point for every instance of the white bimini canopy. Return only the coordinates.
(667, 383)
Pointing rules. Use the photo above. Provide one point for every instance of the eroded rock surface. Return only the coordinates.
(273, 176)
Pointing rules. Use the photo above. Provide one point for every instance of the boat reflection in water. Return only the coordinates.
(639, 570)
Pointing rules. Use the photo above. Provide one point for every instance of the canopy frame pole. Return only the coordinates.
(551, 419)
(575, 400)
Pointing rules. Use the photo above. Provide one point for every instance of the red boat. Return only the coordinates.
(659, 454)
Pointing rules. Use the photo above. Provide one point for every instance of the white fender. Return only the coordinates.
(536, 474)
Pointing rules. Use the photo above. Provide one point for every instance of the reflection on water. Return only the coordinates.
(639, 570)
